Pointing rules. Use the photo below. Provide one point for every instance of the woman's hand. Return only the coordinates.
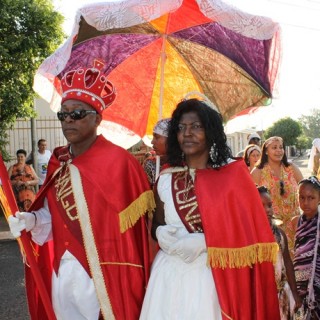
(189, 247)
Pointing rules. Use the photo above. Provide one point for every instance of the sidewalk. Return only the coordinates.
(5, 234)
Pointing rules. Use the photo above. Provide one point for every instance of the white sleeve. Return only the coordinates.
(42, 232)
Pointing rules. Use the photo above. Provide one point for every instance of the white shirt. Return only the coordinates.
(42, 167)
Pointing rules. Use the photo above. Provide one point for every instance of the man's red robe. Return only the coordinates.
(117, 195)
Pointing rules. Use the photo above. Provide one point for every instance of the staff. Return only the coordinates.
(9, 205)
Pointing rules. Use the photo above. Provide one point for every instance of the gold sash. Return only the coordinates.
(185, 201)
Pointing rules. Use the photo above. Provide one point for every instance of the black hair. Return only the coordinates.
(211, 121)
(41, 140)
(21, 151)
(312, 180)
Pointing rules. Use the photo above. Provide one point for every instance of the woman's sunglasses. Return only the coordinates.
(282, 191)
(75, 114)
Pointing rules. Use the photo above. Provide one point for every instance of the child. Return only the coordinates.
(306, 250)
(284, 271)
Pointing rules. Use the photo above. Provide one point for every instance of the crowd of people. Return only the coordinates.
(220, 254)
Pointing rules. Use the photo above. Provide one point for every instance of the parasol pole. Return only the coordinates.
(24, 241)
(163, 58)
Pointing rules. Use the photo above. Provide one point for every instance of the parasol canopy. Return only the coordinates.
(158, 51)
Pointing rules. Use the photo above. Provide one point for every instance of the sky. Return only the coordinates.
(299, 85)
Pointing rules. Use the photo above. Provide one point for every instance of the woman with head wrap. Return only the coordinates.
(281, 178)
(251, 155)
(159, 143)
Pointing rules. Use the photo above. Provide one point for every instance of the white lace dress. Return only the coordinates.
(179, 290)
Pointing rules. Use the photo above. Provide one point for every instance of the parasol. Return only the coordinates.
(158, 51)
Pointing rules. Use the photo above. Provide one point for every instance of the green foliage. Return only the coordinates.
(30, 30)
(288, 129)
(302, 143)
(310, 125)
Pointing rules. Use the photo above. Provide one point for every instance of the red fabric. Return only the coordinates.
(33, 272)
(233, 217)
(125, 284)
(90, 86)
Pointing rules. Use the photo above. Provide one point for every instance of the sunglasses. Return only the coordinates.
(77, 114)
(282, 191)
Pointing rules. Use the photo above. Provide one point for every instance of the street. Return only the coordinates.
(13, 304)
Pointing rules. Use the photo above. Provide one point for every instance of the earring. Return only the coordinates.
(213, 153)
(182, 155)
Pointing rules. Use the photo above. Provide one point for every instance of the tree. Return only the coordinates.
(30, 30)
(302, 143)
(310, 125)
(288, 129)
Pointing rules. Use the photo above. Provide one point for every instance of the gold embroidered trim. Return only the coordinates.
(242, 257)
(89, 243)
(122, 264)
(137, 209)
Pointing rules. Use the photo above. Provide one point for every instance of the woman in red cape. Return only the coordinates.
(217, 248)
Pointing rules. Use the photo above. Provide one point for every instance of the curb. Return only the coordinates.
(6, 235)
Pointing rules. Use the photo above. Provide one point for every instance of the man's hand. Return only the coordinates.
(21, 221)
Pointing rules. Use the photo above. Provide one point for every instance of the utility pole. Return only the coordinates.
(34, 144)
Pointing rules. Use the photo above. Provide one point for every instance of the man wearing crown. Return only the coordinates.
(89, 216)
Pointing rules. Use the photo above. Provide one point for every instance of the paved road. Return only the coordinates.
(12, 292)
(302, 163)
(13, 304)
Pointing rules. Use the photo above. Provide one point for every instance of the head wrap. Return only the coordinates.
(271, 140)
(162, 127)
(315, 148)
(252, 148)
(253, 136)
(88, 85)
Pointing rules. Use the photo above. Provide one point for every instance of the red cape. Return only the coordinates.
(240, 242)
(114, 184)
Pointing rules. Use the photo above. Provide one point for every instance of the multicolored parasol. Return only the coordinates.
(156, 53)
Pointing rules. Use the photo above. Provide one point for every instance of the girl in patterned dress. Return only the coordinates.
(289, 299)
(281, 178)
(307, 250)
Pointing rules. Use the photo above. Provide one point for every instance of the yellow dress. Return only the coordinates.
(285, 206)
